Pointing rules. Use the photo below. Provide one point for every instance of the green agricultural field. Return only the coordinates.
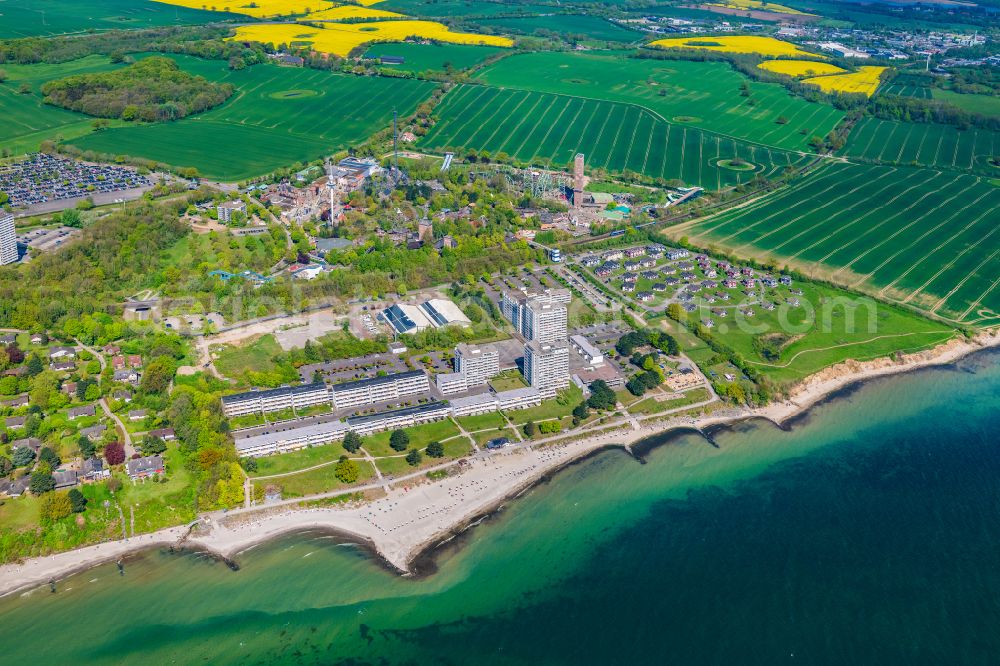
(929, 239)
(27, 120)
(548, 130)
(705, 95)
(464, 8)
(568, 25)
(54, 17)
(906, 90)
(434, 57)
(925, 144)
(259, 129)
(987, 105)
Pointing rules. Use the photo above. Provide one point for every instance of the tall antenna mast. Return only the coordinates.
(395, 143)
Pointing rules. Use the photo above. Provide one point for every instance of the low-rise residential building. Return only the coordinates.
(471, 405)
(166, 434)
(59, 353)
(591, 354)
(449, 383)
(64, 478)
(519, 398)
(32, 443)
(141, 468)
(127, 376)
(18, 401)
(379, 389)
(78, 412)
(93, 469)
(273, 400)
(15, 421)
(94, 432)
(137, 414)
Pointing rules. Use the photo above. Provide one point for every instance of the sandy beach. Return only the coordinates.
(416, 514)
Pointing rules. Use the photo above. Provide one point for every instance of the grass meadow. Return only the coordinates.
(921, 237)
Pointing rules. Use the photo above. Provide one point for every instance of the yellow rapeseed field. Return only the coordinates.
(340, 38)
(865, 80)
(256, 8)
(764, 46)
(800, 67)
(757, 5)
(350, 12)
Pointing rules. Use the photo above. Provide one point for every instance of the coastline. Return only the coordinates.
(414, 520)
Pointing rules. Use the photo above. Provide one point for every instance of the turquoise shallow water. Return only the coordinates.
(868, 533)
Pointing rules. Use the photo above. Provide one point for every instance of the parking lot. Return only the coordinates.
(43, 178)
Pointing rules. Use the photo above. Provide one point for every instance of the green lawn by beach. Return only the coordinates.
(490, 420)
(420, 436)
(321, 480)
(302, 459)
(557, 407)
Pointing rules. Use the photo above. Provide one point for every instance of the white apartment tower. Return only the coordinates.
(514, 304)
(8, 239)
(478, 364)
(546, 366)
(544, 320)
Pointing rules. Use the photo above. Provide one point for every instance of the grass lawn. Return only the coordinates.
(558, 407)
(654, 406)
(319, 481)
(19, 512)
(289, 462)
(810, 344)
(508, 381)
(491, 420)
(420, 436)
(626, 398)
(485, 436)
(456, 448)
